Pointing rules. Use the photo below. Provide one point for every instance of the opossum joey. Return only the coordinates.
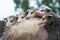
(43, 11)
(10, 20)
(31, 14)
(21, 18)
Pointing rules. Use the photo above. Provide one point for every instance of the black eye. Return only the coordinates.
(31, 12)
(11, 21)
(22, 17)
(42, 10)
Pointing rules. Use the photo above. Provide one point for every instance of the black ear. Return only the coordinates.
(27, 12)
(16, 18)
(17, 15)
(5, 19)
(48, 10)
(49, 16)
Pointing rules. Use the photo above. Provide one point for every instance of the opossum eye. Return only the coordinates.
(31, 12)
(42, 10)
(22, 17)
(11, 21)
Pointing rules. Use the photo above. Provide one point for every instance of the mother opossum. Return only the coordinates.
(53, 27)
(53, 24)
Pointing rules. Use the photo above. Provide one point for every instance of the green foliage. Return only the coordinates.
(52, 4)
(17, 2)
(24, 4)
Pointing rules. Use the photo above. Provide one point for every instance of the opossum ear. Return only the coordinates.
(27, 12)
(5, 19)
(16, 18)
(17, 15)
(48, 9)
(49, 16)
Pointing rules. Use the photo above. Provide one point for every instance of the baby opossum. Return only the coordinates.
(53, 26)
(21, 17)
(10, 20)
(42, 11)
(31, 13)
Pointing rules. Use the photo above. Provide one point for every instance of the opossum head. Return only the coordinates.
(45, 19)
(10, 20)
(31, 13)
(21, 17)
(43, 11)
(50, 17)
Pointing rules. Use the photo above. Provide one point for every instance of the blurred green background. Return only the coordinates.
(24, 4)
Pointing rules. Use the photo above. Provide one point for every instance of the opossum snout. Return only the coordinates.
(27, 17)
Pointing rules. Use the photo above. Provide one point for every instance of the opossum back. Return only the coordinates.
(26, 26)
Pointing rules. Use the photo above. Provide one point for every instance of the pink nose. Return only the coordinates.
(27, 17)
(18, 21)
